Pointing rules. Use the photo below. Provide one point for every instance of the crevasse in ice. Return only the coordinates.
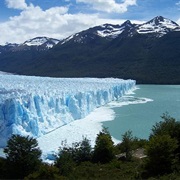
(38, 105)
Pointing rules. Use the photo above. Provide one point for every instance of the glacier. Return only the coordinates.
(36, 106)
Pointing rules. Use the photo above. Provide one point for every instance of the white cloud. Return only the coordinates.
(110, 6)
(54, 22)
(16, 4)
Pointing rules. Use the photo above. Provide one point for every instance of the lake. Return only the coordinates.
(138, 112)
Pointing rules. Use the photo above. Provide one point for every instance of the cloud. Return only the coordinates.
(109, 6)
(55, 22)
(16, 4)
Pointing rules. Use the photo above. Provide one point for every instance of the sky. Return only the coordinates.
(21, 20)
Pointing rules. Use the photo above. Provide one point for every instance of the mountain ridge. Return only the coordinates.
(40, 43)
(148, 52)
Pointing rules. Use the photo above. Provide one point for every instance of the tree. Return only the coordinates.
(65, 162)
(84, 151)
(23, 156)
(127, 144)
(104, 147)
(3, 171)
(161, 154)
(68, 157)
(169, 126)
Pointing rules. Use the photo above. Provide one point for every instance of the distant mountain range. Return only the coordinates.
(148, 53)
(38, 44)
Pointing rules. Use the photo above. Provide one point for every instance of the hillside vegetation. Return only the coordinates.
(155, 158)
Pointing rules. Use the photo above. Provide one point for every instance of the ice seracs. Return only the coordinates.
(36, 105)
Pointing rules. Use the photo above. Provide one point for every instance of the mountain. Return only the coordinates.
(148, 52)
(43, 42)
(16, 57)
(106, 31)
(38, 43)
(158, 26)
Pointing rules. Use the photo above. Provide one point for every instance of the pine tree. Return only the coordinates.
(23, 156)
(104, 147)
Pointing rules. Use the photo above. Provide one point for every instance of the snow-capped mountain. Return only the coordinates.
(158, 26)
(41, 41)
(38, 43)
(147, 52)
(107, 31)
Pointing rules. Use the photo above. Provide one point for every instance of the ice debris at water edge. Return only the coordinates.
(38, 105)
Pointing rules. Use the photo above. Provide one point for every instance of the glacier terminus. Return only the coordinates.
(38, 105)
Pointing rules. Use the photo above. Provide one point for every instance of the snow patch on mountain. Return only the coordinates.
(108, 30)
(35, 42)
(114, 32)
(38, 41)
(68, 39)
(48, 45)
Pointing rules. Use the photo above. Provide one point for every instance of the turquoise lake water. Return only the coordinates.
(141, 110)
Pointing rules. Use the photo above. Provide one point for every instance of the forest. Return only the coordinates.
(133, 158)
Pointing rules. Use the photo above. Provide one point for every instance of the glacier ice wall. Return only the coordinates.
(37, 105)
